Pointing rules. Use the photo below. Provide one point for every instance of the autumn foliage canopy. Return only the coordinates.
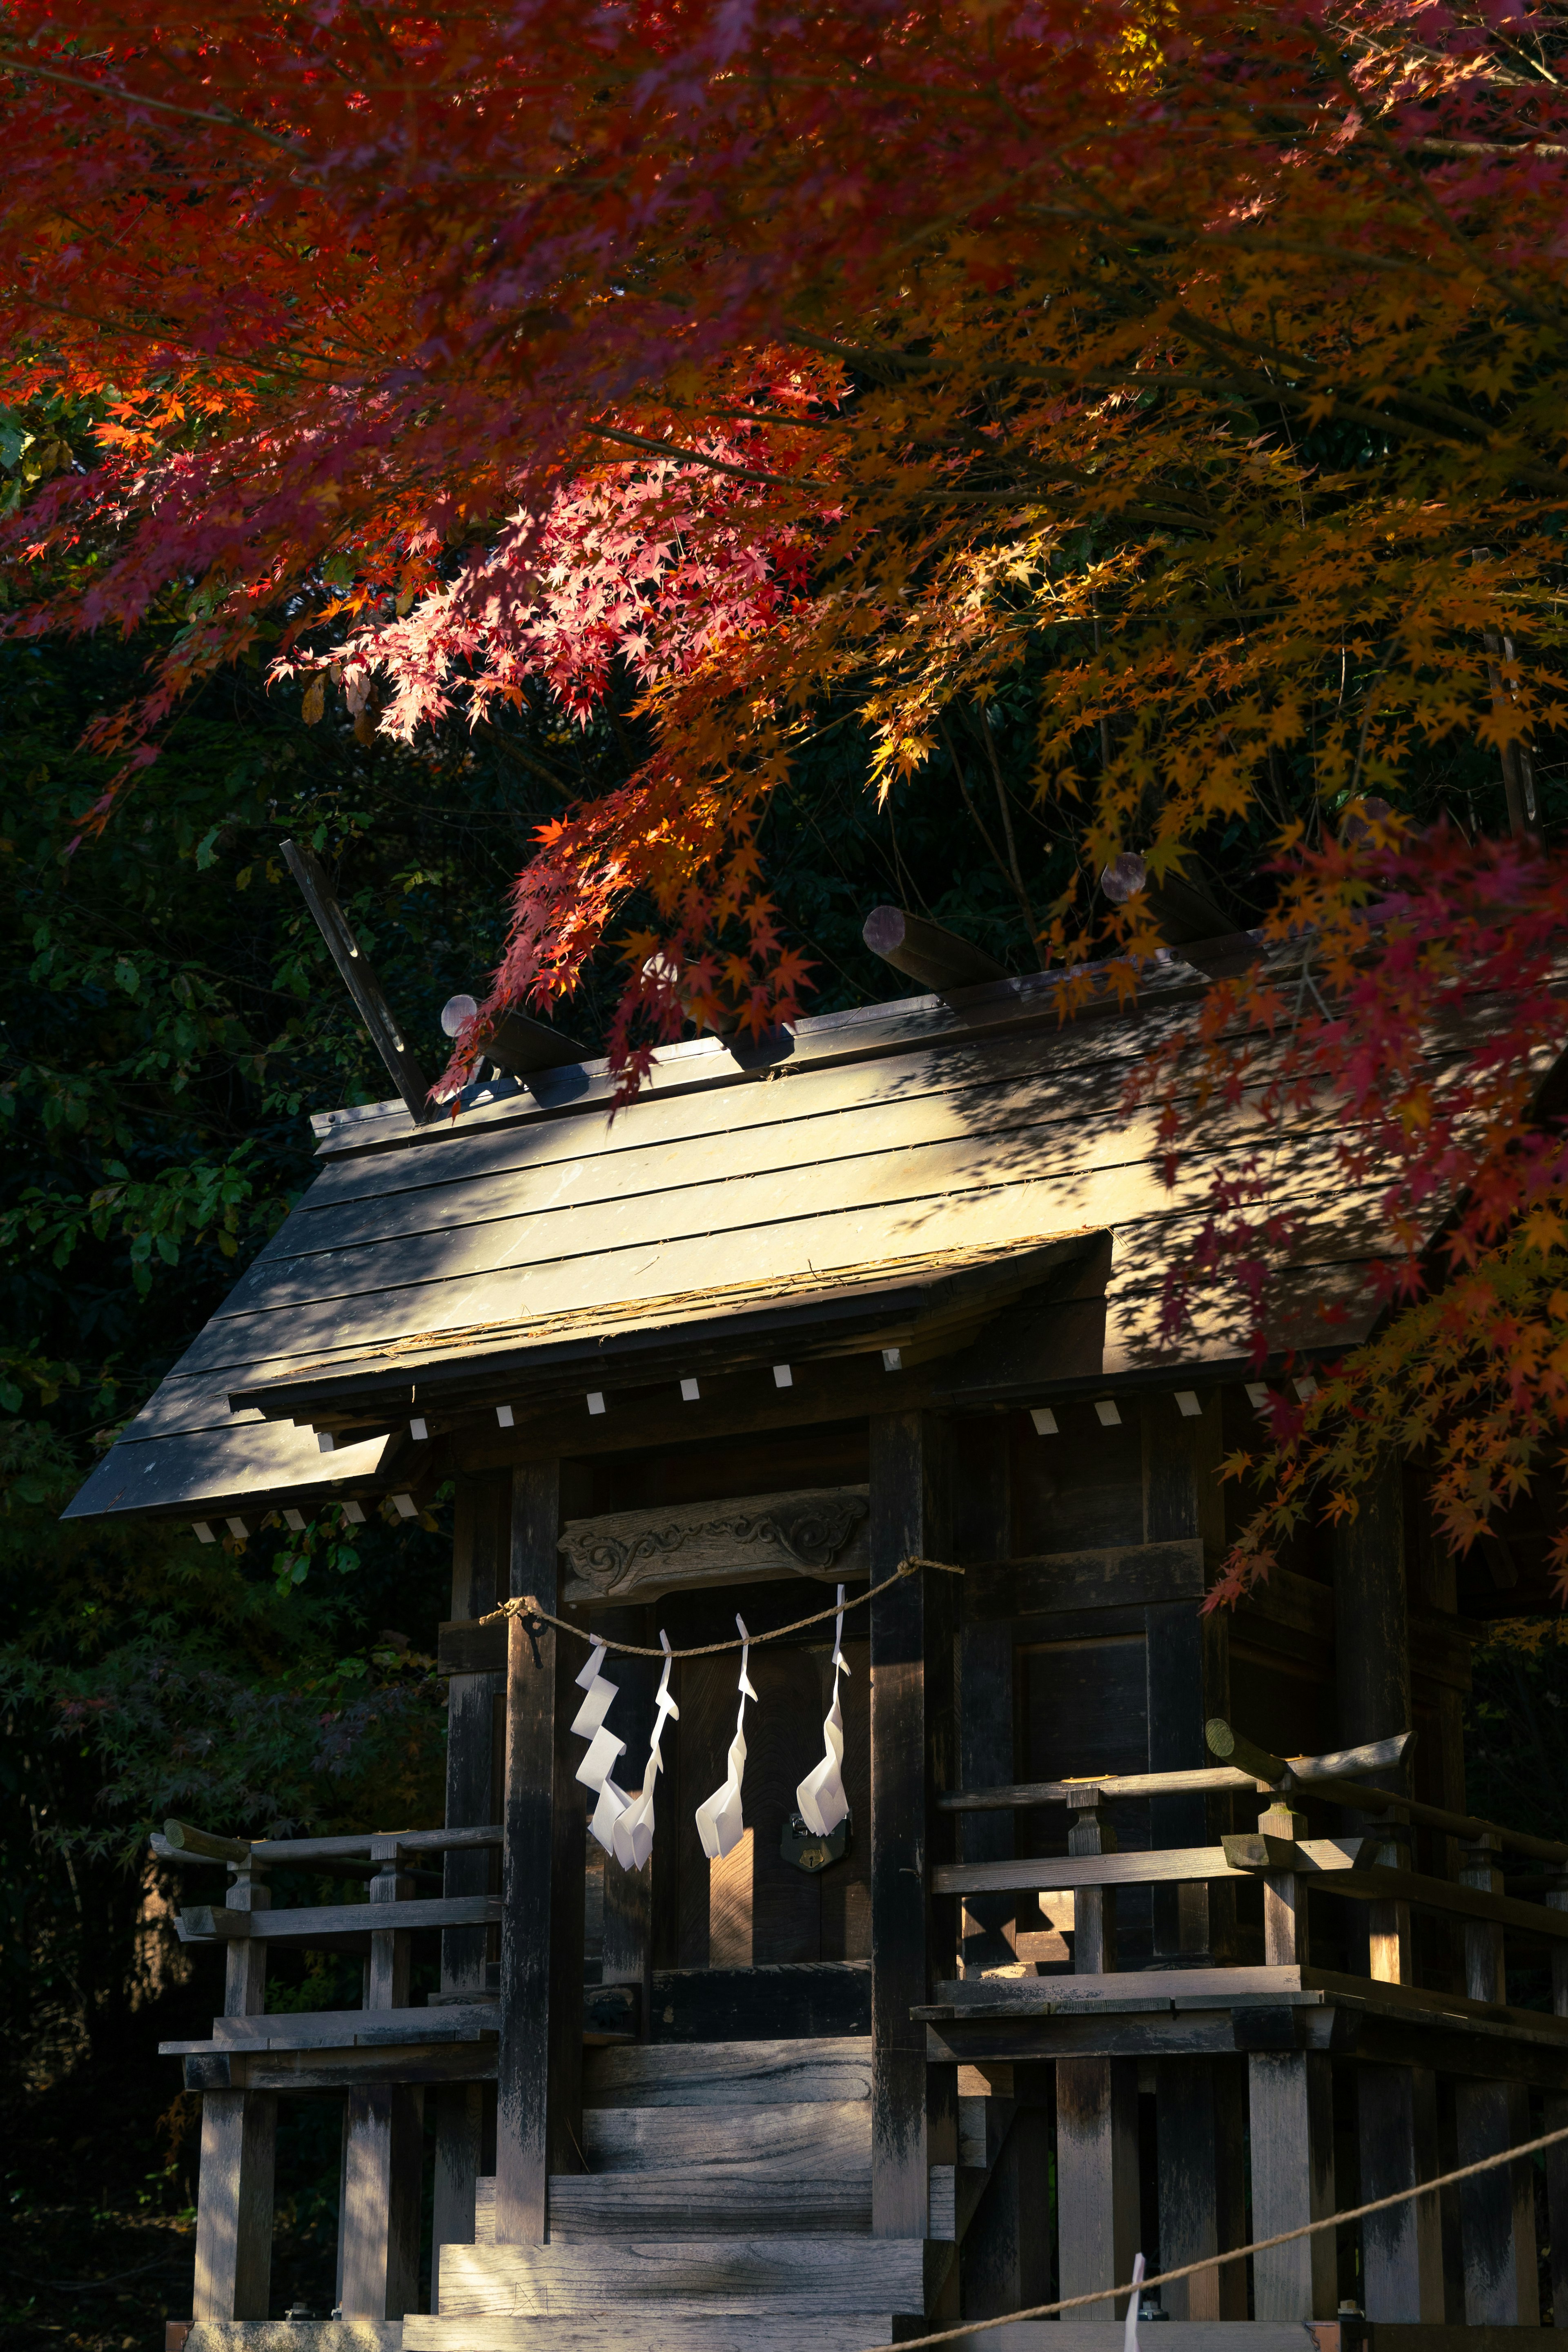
(1202, 368)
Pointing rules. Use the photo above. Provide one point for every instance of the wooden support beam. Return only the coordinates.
(1096, 2105)
(234, 2204)
(538, 2083)
(383, 2136)
(1187, 1659)
(1291, 2103)
(355, 972)
(481, 1538)
(239, 2146)
(982, 1529)
(938, 959)
(913, 1753)
(1097, 2177)
(1556, 2119)
(1200, 2135)
(1497, 2209)
(1290, 2100)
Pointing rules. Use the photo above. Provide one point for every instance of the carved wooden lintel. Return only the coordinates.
(820, 1532)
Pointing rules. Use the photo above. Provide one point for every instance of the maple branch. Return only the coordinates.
(681, 456)
(223, 120)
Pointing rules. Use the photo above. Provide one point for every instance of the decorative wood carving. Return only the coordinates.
(821, 1532)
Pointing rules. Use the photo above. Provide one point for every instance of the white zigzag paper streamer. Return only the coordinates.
(633, 1832)
(719, 1822)
(820, 1795)
(604, 1748)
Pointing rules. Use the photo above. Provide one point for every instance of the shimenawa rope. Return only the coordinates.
(1239, 2253)
(527, 1607)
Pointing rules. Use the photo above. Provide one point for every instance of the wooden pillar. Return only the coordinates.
(239, 2151)
(1497, 2209)
(480, 1533)
(1200, 2125)
(1556, 2119)
(982, 1530)
(1290, 2104)
(384, 2139)
(1096, 2105)
(539, 2085)
(1371, 1619)
(1187, 1667)
(912, 1756)
(1402, 2254)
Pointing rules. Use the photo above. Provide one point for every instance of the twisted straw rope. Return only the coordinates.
(1238, 2253)
(527, 1607)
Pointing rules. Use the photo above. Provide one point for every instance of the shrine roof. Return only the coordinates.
(891, 1178)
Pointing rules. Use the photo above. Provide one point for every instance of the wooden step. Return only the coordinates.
(826, 2071)
(836, 2275)
(658, 2330)
(693, 2204)
(825, 2138)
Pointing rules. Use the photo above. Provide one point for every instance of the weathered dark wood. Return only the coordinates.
(481, 1531)
(1497, 2209)
(378, 2228)
(1097, 2177)
(1290, 2104)
(327, 1923)
(983, 1517)
(359, 978)
(240, 2137)
(1200, 2137)
(464, 1647)
(379, 2225)
(764, 2003)
(539, 2079)
(1372, 1656)
(1556, 2119)
(234, 2206)
(1121, 1576)
(913, 1754)
(1402, 2249)
(1096, 2104)
(927, 952)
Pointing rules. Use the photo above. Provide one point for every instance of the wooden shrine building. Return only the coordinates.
(885, 1287)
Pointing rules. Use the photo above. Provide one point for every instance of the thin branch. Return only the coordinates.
(221, 120)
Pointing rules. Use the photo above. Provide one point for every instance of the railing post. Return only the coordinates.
(538, 2080)
(914, 2118)
(1096, 2104)
(1556, 2119)
(478, 1538)
(1396, 2124)
(1290, 2100)
(384, 2139)
(239, 2139)
(1497, 2216)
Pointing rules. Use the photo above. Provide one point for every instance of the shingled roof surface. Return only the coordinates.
(867, 1172)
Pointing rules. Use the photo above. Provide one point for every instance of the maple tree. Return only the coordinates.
(1190, 376)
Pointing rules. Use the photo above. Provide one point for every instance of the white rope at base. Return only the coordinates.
(1234, 2253)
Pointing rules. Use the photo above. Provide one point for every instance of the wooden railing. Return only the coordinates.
(1468, 2035)
(380, 2055)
